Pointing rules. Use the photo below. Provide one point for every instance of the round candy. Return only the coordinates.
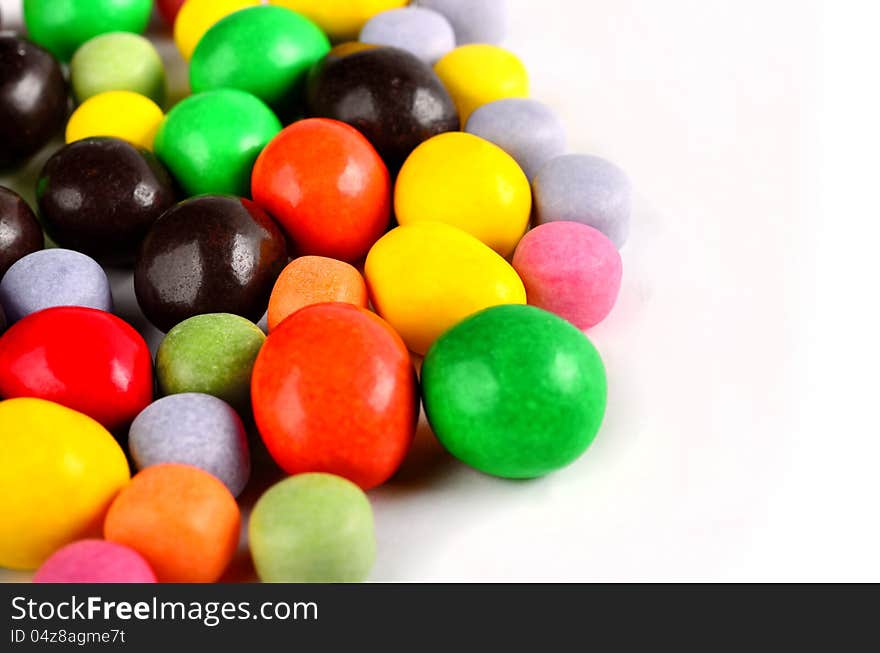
(474, 21)
(33, 99)
(389, 95)
(313, 528)
(586, 189)
(267, 51)
(119, 61)
(210, 254)
(196, 17)
(424, 33)
(82, 358)
(315, 280)
(101, 195)
(58, 474)
(211, 354)
(527, 130)
(193, 429)
(95, 561)
(479, 74)
(210, 141)
(464, 181)
(342, 20)
(61, 26)
(120, 114)
(334, 391)
(20, 233)
(327, 186)
(514, 392)
(169, 9)
(54, 277)
(427, 277)
(3, 322)
(182, 520)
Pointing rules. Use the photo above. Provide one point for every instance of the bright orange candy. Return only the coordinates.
(182, 520)
(315, 280)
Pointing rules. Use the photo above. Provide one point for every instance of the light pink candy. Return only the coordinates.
(571, 270)
(95, 561)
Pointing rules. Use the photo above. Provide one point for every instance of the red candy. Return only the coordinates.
(327, 187)
(169, 9)
(334, 391)
(82, 358)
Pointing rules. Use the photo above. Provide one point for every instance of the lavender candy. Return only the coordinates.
(527, 130)
(193, 429)
(423, 32)
(53, 277)
(474, 21)
(585, 189)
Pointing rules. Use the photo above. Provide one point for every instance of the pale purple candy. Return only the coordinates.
(423, 32)
(193, 429)
(585, 189)
(54, 277)
(527, 130)
(474, 21)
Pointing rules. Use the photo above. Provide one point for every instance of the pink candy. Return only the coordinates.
(571, 270)
(95, 561)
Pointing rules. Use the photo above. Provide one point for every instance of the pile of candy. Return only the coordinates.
(400, 169)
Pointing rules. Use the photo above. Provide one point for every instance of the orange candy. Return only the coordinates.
(315, 280)
(182, 520)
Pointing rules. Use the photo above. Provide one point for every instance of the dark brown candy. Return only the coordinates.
(211, 254)
(33, 99)
(100, 196)
(389, 95)
(20, 233)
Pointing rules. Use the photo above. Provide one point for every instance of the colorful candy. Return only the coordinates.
(342, 20)
(169, 9)
(196, 17)
(334, 391)
(474, 21)
(181, 519)
(118, 61)
(313, 528)
(95, 561)
(20, 233)
(422, 32)
(58, 474)
(120, 114)
(426, 277)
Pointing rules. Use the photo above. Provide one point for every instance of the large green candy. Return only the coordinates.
(61, 26)
(267, 51)
(210, 141)
(313, 528)
(514, 391)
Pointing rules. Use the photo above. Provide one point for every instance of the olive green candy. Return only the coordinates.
(119, 61)
(210, 354)
(210, 141)
(313, 528)
(514, 391)
(267, 51)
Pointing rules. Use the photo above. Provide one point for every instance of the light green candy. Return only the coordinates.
(212, 354)
(313, 528)
(118, 61)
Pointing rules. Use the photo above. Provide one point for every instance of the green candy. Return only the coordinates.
(211, 354)
(514, 391)
(267, 51)
(211, 141)
(119, 61)
(313, 528)
(61, 26)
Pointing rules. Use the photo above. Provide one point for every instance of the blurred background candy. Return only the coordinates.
(196, 17)
(342, 20)
(422, 32)
(474, 21)
(118, 61)
(95, 561)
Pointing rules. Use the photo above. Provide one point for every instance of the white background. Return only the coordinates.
(741, 440)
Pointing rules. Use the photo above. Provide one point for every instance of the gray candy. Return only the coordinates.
(54, 277)
(193, 429)
(474, 21)
(586, 189)
(527, 130)
(423, 32)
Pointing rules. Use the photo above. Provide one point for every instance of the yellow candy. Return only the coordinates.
(342, 20)
(59, 472)
(121, 114)
(469, 183)
(476, 75)
(427, 277)
(198, 16)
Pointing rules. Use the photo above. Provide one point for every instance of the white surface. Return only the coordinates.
(740, 442)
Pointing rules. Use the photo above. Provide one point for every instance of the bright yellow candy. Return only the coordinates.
(469, 183)
(427, 277)
(478, 74)
(342, 20)
(121, 114)
(198, 16)
(59, 472)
